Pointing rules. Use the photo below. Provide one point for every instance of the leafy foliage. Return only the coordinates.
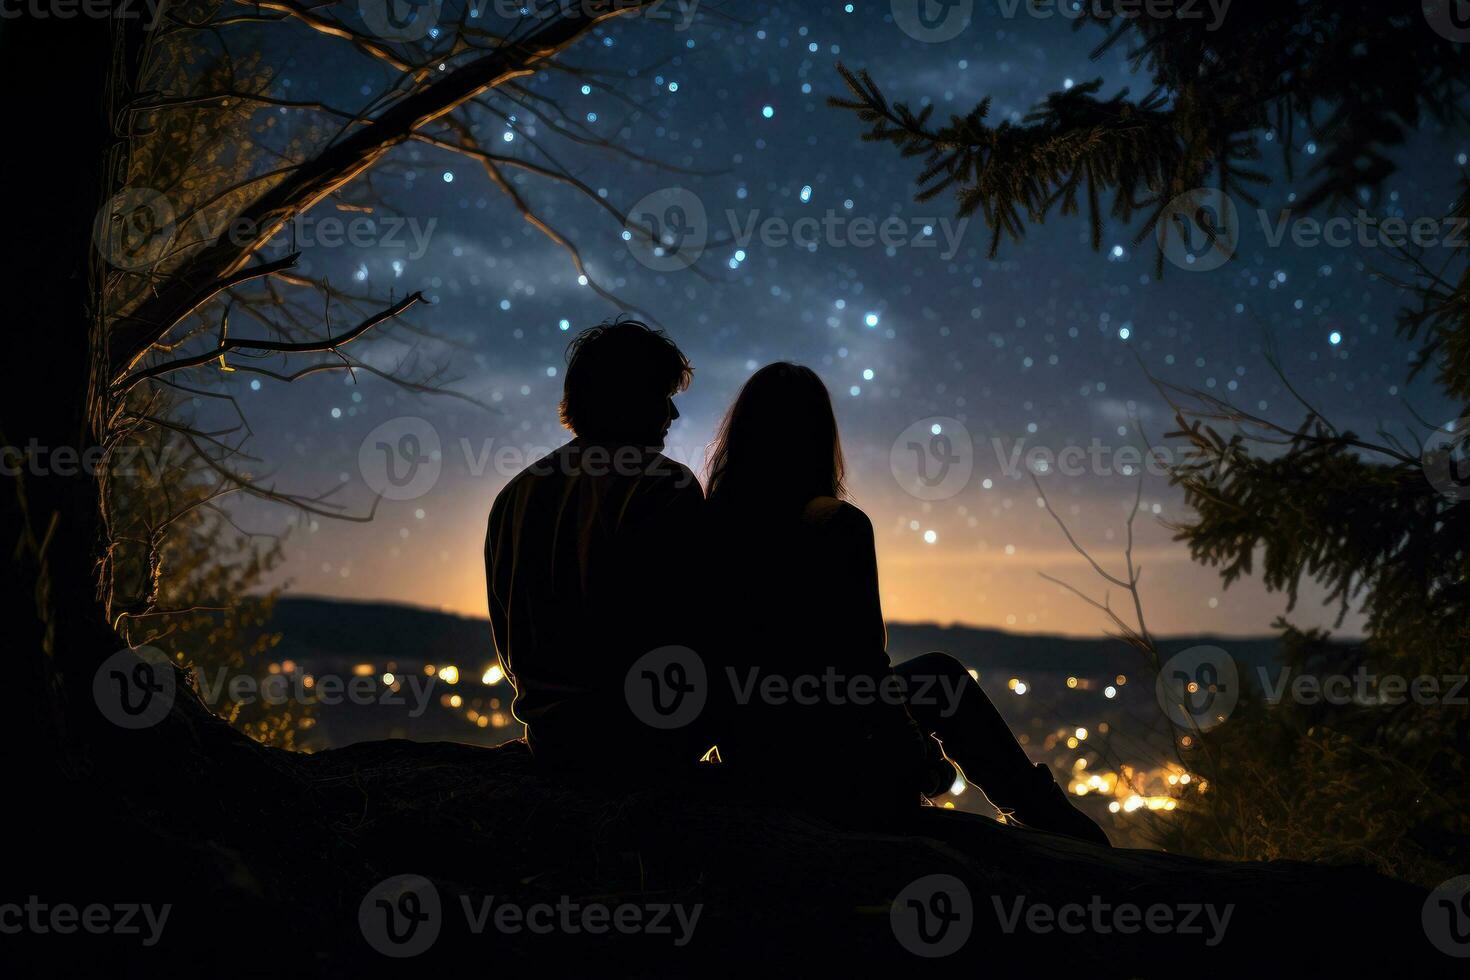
(184, 573)
(178, 571)
(1363, 783)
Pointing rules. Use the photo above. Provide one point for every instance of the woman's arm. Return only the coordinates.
(862, 640)
(859, 604)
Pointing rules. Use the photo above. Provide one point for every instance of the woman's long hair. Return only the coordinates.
(777, 447)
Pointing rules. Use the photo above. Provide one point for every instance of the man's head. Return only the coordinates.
(620, 384)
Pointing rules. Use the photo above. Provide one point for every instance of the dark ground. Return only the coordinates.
(267, 857)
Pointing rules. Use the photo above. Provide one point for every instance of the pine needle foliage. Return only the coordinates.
(1355, 77)
(1379, 779)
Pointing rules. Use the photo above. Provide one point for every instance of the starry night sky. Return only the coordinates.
(1041, 343)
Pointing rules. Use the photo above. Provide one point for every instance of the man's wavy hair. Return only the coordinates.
(618, 374)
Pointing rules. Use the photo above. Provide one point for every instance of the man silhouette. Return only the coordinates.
(582, 560)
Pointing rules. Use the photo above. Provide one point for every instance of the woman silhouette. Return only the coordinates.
(818, 711)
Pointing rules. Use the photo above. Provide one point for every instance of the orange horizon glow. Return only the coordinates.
(975, 561)
(922, 586)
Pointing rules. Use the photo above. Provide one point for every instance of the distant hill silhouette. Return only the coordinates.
(338, 632)
(333, 636)
(344, 632)
(1039, 653)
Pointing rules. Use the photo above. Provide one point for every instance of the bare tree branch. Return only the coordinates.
(190, 285)
(228, 344)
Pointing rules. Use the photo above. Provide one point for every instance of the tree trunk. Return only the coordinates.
(67, 160)
(62, 76)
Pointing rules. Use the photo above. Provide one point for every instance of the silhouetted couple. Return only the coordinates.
(642, 623)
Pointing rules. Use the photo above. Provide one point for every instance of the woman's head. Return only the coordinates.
(778, 445)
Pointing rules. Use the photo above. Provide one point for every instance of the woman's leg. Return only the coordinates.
(946, 702)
